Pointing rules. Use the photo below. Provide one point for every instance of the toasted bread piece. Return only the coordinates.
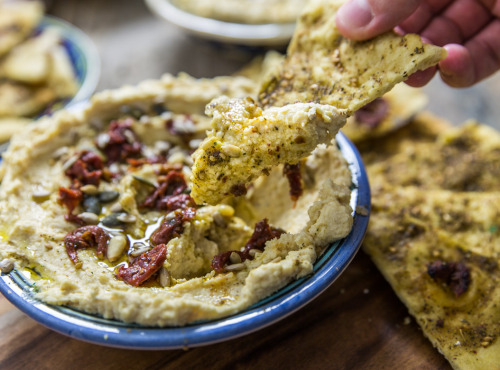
(324, 67)
(29, 62)
(440, 251)
(434, 231)
(459, 159)
(321, 68)
(19, 100)
(17, 20)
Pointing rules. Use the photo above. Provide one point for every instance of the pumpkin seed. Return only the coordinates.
(159, 108)
(92, 204)
(108, 196)
(112, 220)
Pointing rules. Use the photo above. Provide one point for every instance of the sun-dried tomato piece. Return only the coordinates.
(88, 169)
(221, 260)
(171, 184)
(294, 176)
(168, 230)
(455, 275)
(172, 228)
(86, 237)
(179, 201)
(71, 198)
(123, 143)
(372, 114)
(145, 266)
(263, 232)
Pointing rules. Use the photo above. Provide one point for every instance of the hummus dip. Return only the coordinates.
(96, 205)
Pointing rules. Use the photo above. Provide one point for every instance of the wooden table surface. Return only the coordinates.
(358, 323)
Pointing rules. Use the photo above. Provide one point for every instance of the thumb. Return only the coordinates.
(364, 19)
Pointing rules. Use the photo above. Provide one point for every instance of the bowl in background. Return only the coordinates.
(271, 34)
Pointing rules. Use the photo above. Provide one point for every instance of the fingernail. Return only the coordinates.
(355, 13)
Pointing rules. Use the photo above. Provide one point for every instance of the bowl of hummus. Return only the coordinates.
(247, 23)
(101, 240)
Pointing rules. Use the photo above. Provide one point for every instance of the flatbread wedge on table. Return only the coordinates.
(434, 232)
(460, 159)
(323, 80)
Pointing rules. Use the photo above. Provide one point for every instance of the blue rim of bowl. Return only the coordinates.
(269, 34)
(82, 53)
(97, 330)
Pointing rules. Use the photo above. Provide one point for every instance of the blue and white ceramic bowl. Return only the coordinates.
(284, 302)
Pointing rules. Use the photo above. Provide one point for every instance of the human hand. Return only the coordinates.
(468, 29)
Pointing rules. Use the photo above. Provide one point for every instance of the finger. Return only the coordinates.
(460, 21)
(457, 69)
(478, 59)
(469, 15)
(419, 19)
(493, 5)
(364, 19)
(484, 49)
(421, 78)
(442, 31)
